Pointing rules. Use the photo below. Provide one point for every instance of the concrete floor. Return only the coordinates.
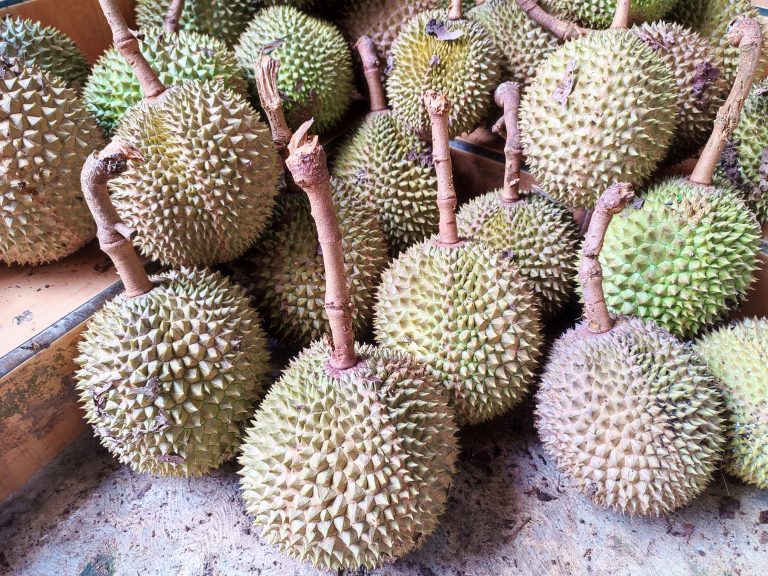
(510, 513)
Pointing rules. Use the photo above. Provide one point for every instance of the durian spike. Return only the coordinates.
(265, 70)
(563, 29)
(439, 108)
(173, 17)
(745, 33)
(372, 71)
(612, 201)
(455, 10)
(307, 163)
(128, 46)
(114, 236)
(507, 97)
(621, 15)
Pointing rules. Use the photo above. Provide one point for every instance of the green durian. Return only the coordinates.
(315, 77)
(736, 356)
(46, 136)
(168, 379)
(112, 87)
(599, 13)
(44, 47)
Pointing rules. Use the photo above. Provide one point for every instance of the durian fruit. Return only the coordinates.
(599, 13)
(316, 76)
(539, 236)
(629, 413)
(442, 51)
(390, 167)
(522, 42)
(688, 255)
(222, 19)
(112, 87)
(45, 136)
(348, 461)
(43, 47)
(460, 307)
(736, 356)
(171, 369)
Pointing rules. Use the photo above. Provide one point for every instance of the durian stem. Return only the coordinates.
(508, 98)
(612, 201)
(266, 70)
(439, 108)
(561, 28)
(173, 17)
(307, 163)
(455, 10)
(747, 35)
(372, 71)
(128, 46)
(621, 15)
(114, 236)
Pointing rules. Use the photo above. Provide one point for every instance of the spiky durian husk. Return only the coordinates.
(522, 43)
(467, 314)
(223, 19)
(315, 77)
(615, 126)
(539, 236)
(465, 70)
(285, 271)
(113, 88)
(599, 13)
(206, 188)
(631, 417)
(392, 169)
(700, 79)
(736, 356)
(751, 142)
(350, 470)
(169, 379)
(684, 259)
(45, 137)
(44, 47)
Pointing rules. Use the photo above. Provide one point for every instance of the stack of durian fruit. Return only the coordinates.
(408, 318)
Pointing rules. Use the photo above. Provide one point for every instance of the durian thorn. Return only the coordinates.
(610, 203)
(455, 10)
(173, 17)
(746, 33)
(621, 15)
(507, 97)
(265, 71)
(372, 71)
(563, 29)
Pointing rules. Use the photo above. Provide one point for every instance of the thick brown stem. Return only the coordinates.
(561, 28)
(114, 236)
(307, 163)
(455, 11)
(173, 17)
(746, 34)
(439, 109)
(508, 98)
(621, 15)
(612, 201)
(372, 71)
(128, 46)
(266, 70)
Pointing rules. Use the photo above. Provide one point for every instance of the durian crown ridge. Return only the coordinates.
(265, 70)
(307, 163)
(611, 202)
(563, 29)
(507, 97)
(746, 34)
(372, 71)
(173, 17)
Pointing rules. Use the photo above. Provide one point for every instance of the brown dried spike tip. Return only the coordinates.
(173, 17)
(507, 97)
(563, 29)
(372, 71)
(745, 33)
(612, 201)
(265, 70)
(307, 163)
(114, 236)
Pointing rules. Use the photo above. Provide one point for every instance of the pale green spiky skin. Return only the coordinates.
(631, 417)
(207, 184)
(599, 13)
(684, 259)
(689, 56)
(617, 122)
(286, 275)
(466, 71)
(539, 236)
(736, 356)
(523, 43)
(169, 379)
(223, 19)
(352, 469)
(45, 137)
(113, 88)
(392, 169)
(315, 77)
(44, 47)
(467, 314)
